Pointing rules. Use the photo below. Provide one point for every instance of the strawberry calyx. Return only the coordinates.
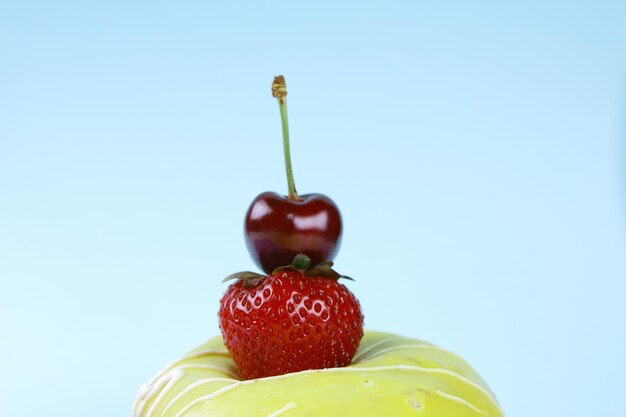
(250, 279)
(301, 264)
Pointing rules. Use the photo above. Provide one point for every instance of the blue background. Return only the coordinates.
(476, 152)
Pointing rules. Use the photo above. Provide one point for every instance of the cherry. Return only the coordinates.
(277, 228)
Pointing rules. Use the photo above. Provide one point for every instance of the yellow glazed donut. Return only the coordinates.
(390, 376)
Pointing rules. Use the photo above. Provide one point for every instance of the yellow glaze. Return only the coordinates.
(390, 376)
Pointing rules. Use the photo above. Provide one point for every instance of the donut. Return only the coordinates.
(390, 375)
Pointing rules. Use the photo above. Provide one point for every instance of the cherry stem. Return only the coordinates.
(279, 90)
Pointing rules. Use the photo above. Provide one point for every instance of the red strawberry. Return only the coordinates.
(290, 321)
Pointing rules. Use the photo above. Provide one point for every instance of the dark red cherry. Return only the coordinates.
(277, 228)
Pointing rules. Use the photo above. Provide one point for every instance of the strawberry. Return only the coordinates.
(290, 321)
